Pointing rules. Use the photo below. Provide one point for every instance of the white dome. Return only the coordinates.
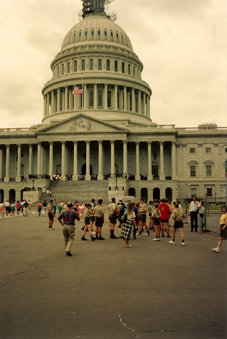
(96, 28)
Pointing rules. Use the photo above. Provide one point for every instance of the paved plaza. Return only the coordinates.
(152, 290)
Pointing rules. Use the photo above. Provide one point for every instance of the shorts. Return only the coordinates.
(178, 224)
(87, 221)
(142, 217)
(99, 221)
(50, 216)
(164, 220)
(156, 221)
(92, 218)
(223, 234)
(149, 214)
(113, 218)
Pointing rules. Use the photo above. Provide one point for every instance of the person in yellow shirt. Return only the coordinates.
(223, 229)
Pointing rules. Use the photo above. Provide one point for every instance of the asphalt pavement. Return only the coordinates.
(107, 291)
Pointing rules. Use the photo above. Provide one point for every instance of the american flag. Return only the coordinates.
(77, 90)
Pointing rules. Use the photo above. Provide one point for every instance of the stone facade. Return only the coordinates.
(106, 132)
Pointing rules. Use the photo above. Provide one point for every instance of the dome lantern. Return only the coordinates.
(93, 7)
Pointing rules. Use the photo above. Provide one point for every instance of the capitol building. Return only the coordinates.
(102, 141)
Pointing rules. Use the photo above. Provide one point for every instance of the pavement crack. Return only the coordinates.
(126, 326)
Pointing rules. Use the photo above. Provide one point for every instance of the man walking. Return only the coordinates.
(67, 220)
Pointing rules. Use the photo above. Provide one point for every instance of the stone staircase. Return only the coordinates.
(78, 190)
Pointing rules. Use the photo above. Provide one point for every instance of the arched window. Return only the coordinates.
(91, 98)
(68, 67)
(108, 64)
(91, 64)
(169, 193)
(100, 98)
(116, 66)
(83, 65)
(144, 194)
(132, 192)
(122, 67)
(75, 65)
(156, 193)
(12, 195)
(226, 168)
(63, 69)
(129, 69)
(99, 64)
(109, 99)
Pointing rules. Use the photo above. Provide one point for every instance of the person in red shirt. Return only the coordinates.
(165, 214)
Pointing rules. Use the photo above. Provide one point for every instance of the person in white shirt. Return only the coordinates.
(193, 211)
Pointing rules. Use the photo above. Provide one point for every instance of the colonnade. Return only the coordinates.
(95, 97)
(100, 155)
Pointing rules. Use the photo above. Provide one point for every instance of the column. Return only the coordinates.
(173, 161)
(125, 99)
(42, 161)
(149, 162)
(139, 102)
(112, 164)
(200, 161)
(75, 161)
(100, 174)
(38, 159)
(66, 98)
(133, 101)
(115, 98)
(6, 179)
(30, 153)
(95, 96)
(51, 159)
(70, 99)
(137, 161)
(48, 104)
(1, 172)
(76, 104)
(125, 159)
(105, 96)
(85, 96)
(162, 172)
(52, 102)
(148, 106)
(63, 176)
(88, 172)
(58, 99)
(45, 105)
(144, 103)
(18, 177)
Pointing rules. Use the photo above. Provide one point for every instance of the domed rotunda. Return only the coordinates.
(97, 56)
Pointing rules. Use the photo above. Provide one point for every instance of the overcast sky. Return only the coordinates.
(182, 44)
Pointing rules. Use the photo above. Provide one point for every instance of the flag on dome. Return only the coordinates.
(77, 90)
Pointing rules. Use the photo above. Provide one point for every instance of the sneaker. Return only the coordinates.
(168, 236)
(216, 250)
(92, 238)
(156, 239)
(69, 254)
(83, 238)
(163, 235)
(182, 244)
(100, 238)
(171, 242)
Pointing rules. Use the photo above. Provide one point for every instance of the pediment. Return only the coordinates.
(80, 124)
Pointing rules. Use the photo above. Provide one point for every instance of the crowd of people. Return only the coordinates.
(134, 218)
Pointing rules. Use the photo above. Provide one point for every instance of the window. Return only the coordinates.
(75, 65)
(68, 67)
(105, 33)
(123, 67)
(80, 34)
(85, 33)
(192, 150)
(83, 65)
(208, 149)
(100, 98)
(209, 192)
(99, 64)
(192, 171)
(63, 69)
(111, 33)
(109, 99)
(226, 150)
(58, 70)
(116, 66)
(91, 98)
(134, 71)
(108, 64)
(193, 192)
(129, 69)
(91, 64)
(208, 170)
(99, 32)
(92, 32)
